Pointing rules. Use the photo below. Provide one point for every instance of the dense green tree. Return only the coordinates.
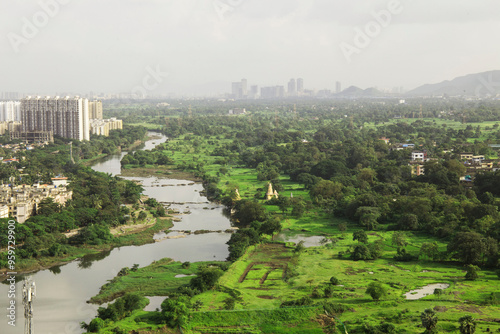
(467, 247)
(399, 239)
(376, 290)
(247, 211)
(429, 320)
(408, 221)
(430, 249)
(175, 311)
(327, 189)
(206, 278)
(361, 252)
(472, 274)
(467, 325)
(361, 236)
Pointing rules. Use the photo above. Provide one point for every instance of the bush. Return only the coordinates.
(334, 280)
(95, 325)
(328, 292)
(304, 301)
(403, 256)
(472, 274)
(335, 308)
(376, 290)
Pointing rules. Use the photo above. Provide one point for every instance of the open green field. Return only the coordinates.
(157, 279)
(257, 278)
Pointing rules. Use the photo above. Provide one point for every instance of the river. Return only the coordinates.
(61, 292)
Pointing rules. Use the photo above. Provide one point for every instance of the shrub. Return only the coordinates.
(334, 280)
(376, 290)
(304, 301)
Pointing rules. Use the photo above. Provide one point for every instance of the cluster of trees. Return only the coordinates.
(253, 221)
(142, 158)
(117, 140)
(118, 310)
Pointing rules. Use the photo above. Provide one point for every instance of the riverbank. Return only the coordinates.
(161, 171)
(160, 278)
(134, 145)
(136, 237)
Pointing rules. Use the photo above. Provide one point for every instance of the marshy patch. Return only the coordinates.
(425, 291)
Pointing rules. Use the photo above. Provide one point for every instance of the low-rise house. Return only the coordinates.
(477, 158)
(22, 201)
(466, 156)
(417, 168)
(419, 156)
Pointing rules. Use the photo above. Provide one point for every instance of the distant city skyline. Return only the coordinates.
(192, 47)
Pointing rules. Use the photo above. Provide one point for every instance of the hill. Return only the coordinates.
(478, 84)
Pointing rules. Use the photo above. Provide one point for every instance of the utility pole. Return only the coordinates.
(29, 293)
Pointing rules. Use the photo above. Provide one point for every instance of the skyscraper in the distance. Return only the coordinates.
(292, 88)
(236, 90)
(254, 91)
(300, 85)
(244, 88)
(10, 111)
(338, 87)
(239, 90)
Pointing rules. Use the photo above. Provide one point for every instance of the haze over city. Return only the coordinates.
(199, 47)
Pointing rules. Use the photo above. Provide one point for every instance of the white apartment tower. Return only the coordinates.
(10, 111)
(66, 117)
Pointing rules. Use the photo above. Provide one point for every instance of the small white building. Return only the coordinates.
(478, 158)
(418, 156)
(4, 211)
(59, 181)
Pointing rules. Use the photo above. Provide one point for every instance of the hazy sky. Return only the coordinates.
(114, 45)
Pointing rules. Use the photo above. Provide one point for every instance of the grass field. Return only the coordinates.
(257, 277)
(157, 279)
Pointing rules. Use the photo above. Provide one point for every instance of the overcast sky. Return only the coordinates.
(114, 45)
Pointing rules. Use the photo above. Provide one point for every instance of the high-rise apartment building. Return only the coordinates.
(300, 85)
(244, 88)
(338, 87)
(239, 90)
(236, 90)
(95, 109)
(66, 117)
(292, 88)
(254, 92)
(10, 111)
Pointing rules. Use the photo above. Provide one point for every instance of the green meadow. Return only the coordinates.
(258, 280)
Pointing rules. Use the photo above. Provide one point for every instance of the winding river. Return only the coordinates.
(62, 292)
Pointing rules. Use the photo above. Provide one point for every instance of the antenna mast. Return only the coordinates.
(29, 293)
